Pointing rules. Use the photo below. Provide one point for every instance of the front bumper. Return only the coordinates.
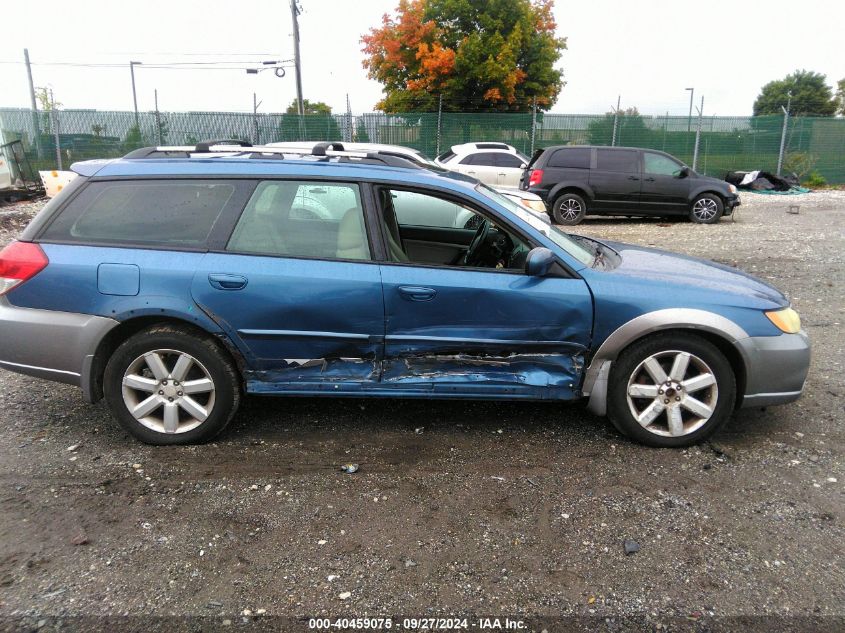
(731, 204)
(776, 366)
(48, 344)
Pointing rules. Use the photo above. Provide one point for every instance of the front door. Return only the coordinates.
(296, 289)
(664, 190)
(615, 180)
(484, 327)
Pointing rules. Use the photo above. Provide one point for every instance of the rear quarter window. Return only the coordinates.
(575, 158)
(169, 213)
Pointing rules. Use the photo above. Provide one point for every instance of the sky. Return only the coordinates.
(647, 52)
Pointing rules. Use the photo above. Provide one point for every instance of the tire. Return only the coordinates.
(569, 209)
(684, 420)
(706, 209)
(172, 414)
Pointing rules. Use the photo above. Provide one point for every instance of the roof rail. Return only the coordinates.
(323, 151)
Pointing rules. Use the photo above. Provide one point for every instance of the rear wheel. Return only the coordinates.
(706, 209)
(569, 209)
(170, 385)
(671, 390)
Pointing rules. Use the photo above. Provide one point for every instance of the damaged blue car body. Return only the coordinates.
(321, 274)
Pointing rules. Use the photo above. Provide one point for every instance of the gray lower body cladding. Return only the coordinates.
(58, 346)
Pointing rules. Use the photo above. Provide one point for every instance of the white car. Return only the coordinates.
(495, 164)
(310, 205)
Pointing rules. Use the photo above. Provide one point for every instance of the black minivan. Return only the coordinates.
(580, 180)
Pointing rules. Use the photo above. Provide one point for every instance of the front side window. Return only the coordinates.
(169, 213)
(303, 219)
(422, 228)
(619, 160)
(660, 165)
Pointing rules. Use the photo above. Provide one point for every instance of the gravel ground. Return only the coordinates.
(459, 508)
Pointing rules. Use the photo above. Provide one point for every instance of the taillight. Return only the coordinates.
(20, 261)
(535, 177)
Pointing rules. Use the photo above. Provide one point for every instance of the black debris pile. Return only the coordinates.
(760, 181)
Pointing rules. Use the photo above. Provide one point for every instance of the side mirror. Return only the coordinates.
(539, 262)
(523, 166)
(684, 172)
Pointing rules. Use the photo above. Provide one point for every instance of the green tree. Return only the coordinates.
(317, 124)
(811, 96)
(133, 139)
(497, 55)
(630, 129)
(361, 135)
(840, 97)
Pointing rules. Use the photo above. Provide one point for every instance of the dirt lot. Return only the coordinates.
(487, 510)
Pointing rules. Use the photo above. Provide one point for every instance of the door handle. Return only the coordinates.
(633, 177)
(224, 281)
(417, 293)
(649, 179)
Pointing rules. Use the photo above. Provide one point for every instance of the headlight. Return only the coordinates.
(786, 320)
(534, 205)
(731, 188)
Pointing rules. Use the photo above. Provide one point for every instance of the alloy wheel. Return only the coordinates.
(569, 209)
(705, 209)
(168, 391)
(672, 393)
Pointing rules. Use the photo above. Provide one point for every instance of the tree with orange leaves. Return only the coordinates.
(481, 55)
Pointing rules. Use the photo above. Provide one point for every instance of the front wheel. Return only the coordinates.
(706, 209)
(569, 209)
(171, 385)
(671, 390)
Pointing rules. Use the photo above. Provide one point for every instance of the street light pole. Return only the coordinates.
(134, 94)
(689, 119)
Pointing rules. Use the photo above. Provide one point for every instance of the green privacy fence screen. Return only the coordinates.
(726, 143)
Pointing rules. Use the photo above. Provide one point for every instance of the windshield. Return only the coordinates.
(575, 248)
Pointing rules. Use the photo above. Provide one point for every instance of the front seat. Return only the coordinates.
(394, 239)
(352, 237)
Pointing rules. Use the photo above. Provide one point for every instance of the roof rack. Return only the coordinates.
(236, 148)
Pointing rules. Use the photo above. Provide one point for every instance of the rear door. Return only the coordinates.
(616, 180)
(509, 170)
(663, 189)
(481, 165)
(296, 288)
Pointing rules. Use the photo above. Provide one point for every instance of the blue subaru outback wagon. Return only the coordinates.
(174, 280)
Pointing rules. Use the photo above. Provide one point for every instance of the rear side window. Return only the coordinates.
(164, 212)
(575, 158)
(508, 160)
(486, 159)
(617, 160)
(295, 218)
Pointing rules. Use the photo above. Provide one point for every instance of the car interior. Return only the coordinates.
(477, 243)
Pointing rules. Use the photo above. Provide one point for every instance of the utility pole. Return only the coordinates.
(134, 94)
(294, 12)
(698, 134)
(36, 128)
(158, 118)
(533, 125)
(783, 132)
(55, 117)
(615, 120)
(665, 125)
(439, 123)
(256, 137)
(349, 129)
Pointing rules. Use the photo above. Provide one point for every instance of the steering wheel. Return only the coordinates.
(476, 251)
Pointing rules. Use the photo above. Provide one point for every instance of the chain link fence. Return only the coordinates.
(724, 143)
